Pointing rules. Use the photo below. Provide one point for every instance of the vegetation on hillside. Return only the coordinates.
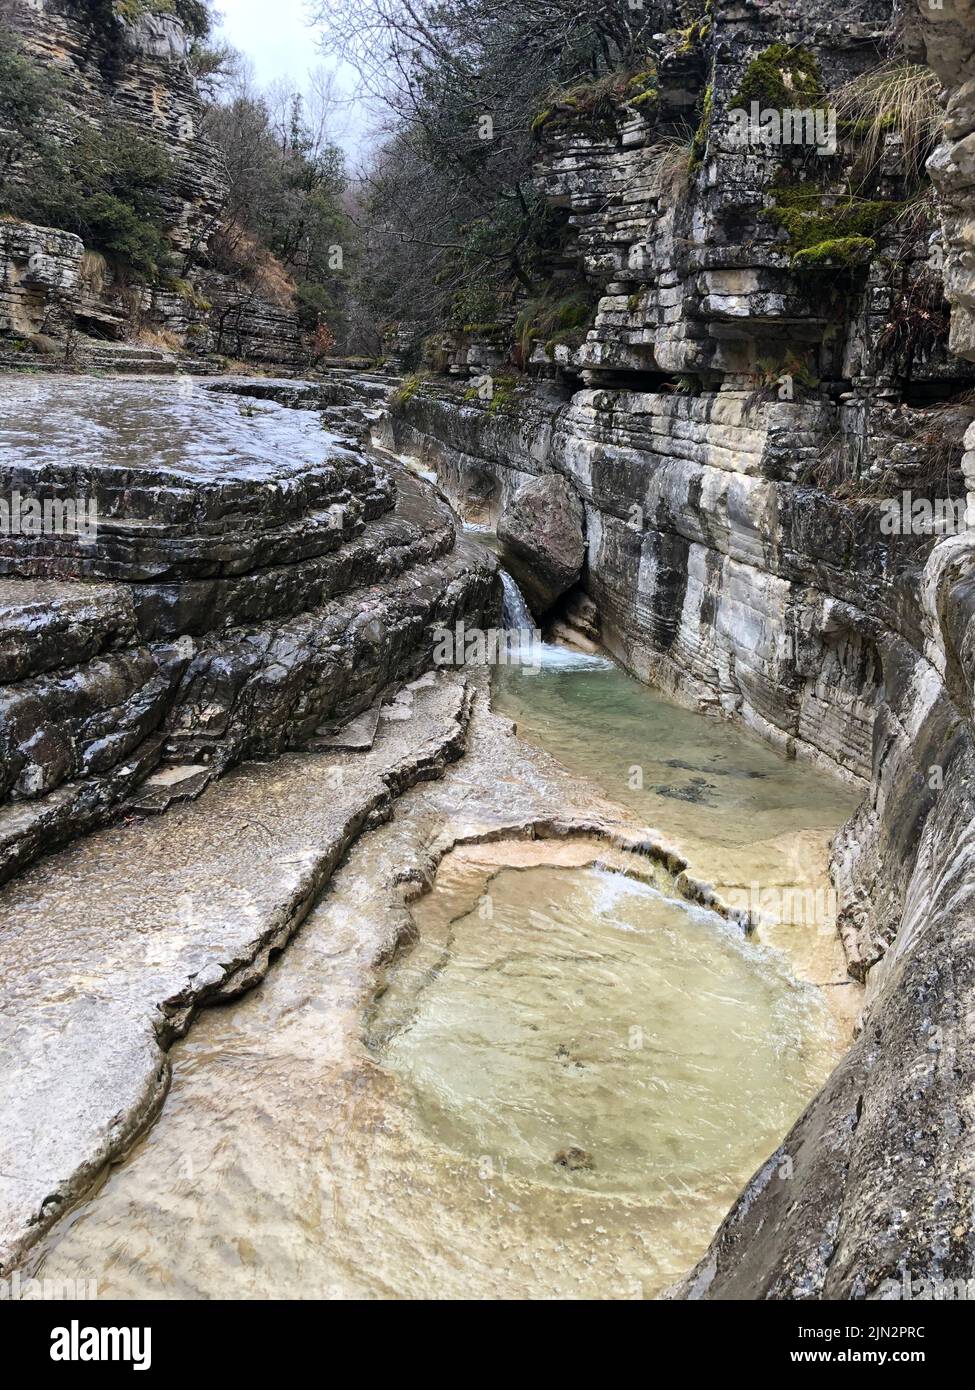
(105, 185)
(283, 230)
(284, 222)
(455, 232)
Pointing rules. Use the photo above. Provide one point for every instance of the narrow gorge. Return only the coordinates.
(487, 782)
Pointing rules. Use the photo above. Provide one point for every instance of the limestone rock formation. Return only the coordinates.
(944, 37)
(542, 542)
(40, 270)
(746, 435)
(739, 442)
(138, 71)
(135, 73)
(252, 583)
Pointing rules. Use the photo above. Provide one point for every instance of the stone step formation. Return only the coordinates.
(238, 596)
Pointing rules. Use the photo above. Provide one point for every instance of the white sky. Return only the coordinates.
(275, 36)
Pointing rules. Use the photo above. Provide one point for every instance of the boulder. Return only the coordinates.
(542, 540)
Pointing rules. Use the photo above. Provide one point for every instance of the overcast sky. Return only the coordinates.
(280, 43)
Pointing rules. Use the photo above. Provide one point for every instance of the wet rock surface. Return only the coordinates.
(287, 1129)
(269, 582)
(105, 966)
(541, 540)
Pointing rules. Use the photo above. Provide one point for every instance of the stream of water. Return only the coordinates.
(557, 1092)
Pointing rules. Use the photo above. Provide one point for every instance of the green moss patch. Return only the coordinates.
(601, 103)
(843, 252)
(699, 144)
(781, 77)
(823, 231)
(410, 387)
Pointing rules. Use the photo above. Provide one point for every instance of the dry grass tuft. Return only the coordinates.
(236, 250)
(93, 273)
(160, 339)
(896, 98)
(669, 161)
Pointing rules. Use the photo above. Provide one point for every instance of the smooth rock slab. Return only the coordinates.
(110, 946)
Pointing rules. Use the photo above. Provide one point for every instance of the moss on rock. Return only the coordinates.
(410, 387)
(814, 220)
(699, 144)
(781, 77)
(601, 103)
(840, 252)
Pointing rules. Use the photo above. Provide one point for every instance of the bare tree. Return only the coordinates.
(451, 221)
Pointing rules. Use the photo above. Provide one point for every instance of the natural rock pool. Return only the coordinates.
(749, 821)
(582, 1020)
(556, 1092)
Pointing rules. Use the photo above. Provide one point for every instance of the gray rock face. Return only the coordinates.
(945, 37)
(146, 82)
(39, 278)
(266, 582)
(542, 541)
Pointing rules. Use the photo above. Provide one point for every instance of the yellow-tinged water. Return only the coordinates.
(578, 1009)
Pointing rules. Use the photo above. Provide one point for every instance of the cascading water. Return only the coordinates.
(515, 613)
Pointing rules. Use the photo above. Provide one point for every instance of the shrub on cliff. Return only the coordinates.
(55, 169)
(29, 97)
(109, 188)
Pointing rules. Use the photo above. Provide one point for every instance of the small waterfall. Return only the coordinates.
(515, 614)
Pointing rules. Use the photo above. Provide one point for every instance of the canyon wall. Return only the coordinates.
(127, 67)
(768, 374)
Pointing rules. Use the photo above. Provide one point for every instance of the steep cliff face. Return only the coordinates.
(878, 1202)
(943, 34)
(134, 72)
(126, 67)
(40, 278)
(754, 400)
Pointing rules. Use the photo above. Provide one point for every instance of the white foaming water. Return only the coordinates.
(554, 657)
(515, 613)
(516, 617)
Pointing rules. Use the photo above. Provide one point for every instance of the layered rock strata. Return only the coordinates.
(252, 583)
(131, 64)
(127, 66)
(221, 887)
